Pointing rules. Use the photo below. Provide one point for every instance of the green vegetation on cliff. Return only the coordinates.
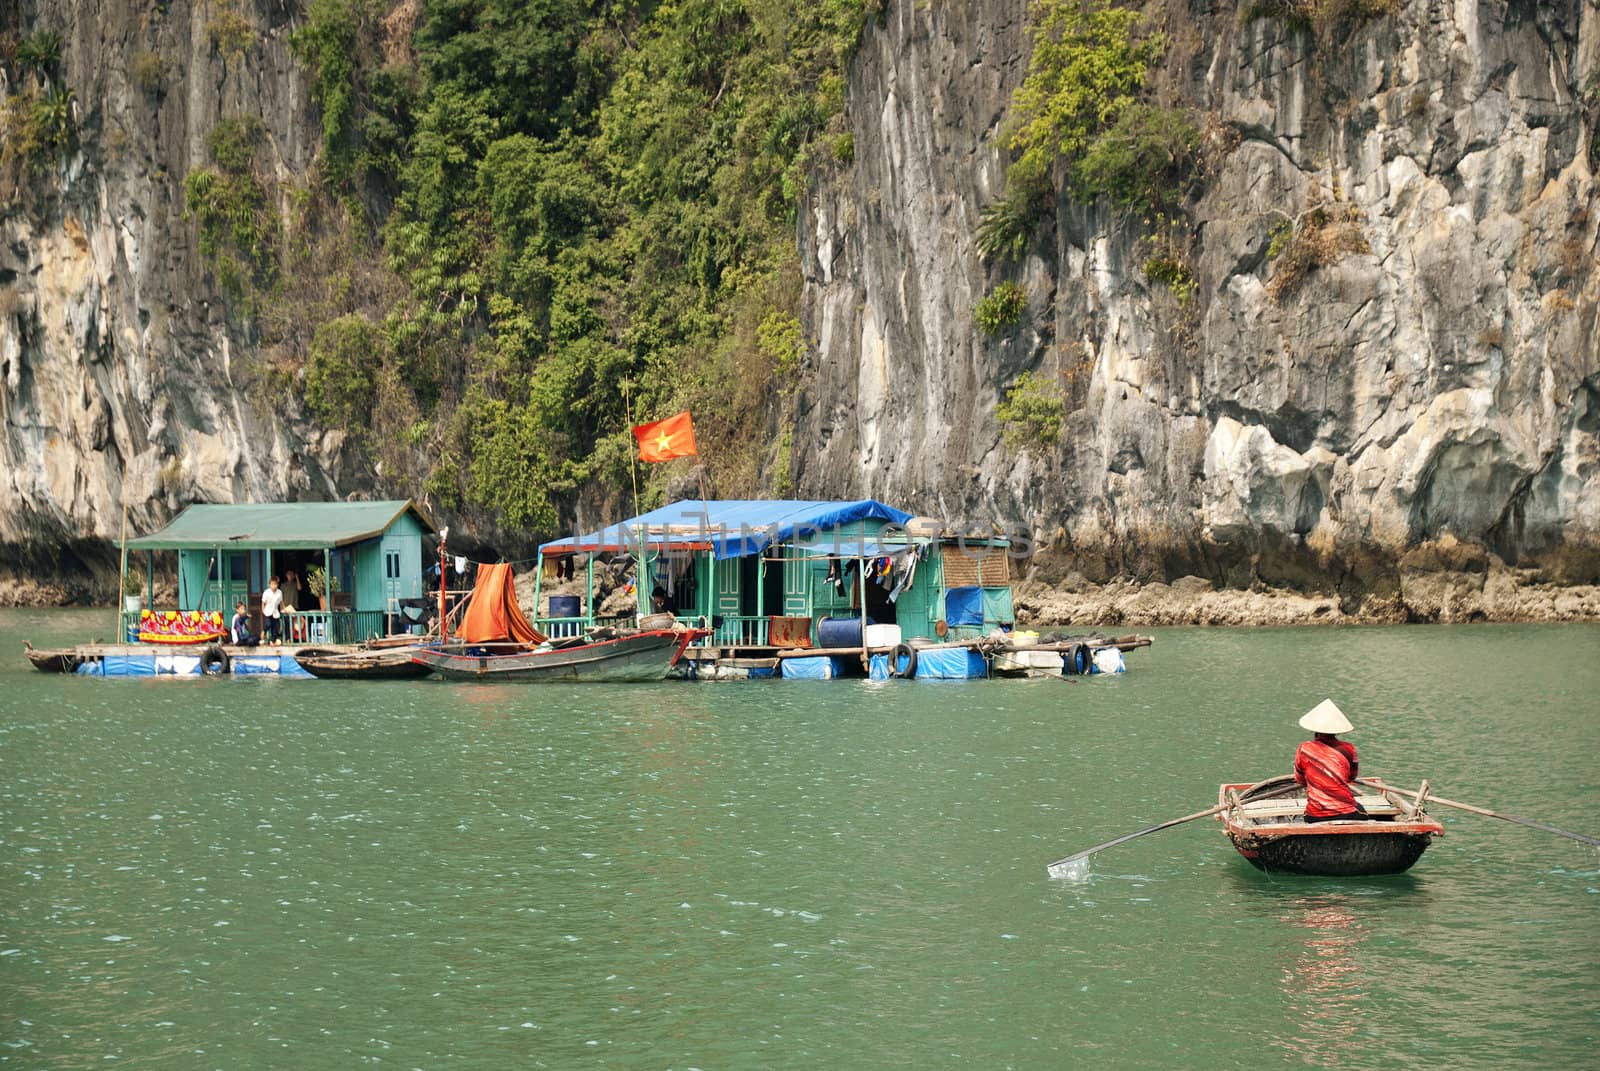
(565, 195)
(1080, 115)
(1082, 119)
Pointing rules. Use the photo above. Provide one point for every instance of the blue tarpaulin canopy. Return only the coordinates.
(731, 528)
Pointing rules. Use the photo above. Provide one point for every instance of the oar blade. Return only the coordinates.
(1073, 868)
(1067, 865)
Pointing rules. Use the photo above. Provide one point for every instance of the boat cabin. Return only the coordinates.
(762, 575)
(355, 562)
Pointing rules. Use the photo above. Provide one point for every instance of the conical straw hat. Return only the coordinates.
(1326, 718)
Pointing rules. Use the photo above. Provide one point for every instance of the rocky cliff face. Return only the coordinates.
(122, 381)
(1428, 399)
(1437, 381)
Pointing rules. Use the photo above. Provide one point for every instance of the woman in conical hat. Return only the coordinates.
(1326, 765)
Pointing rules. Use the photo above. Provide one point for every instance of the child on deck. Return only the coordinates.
(239, 631)
(271, 610)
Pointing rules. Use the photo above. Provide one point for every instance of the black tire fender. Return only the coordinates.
(214, 661)
(910, 654)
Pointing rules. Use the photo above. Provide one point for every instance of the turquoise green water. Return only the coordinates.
(320, 874)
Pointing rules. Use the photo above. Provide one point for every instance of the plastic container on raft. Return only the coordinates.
(883, 636)
(840, 631)
(819, 668)
(1109, 660)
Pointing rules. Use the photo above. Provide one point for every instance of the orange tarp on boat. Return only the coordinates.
(493, 613)
(180, 626)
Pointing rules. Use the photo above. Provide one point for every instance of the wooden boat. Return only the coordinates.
(1266, 823)
(53, 660)
(373, 663)
(636, 656)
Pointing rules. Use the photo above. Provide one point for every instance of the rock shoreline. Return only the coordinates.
(1454, 598)
(1446, 598)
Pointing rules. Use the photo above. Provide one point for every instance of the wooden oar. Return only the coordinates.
(1073, 858)
(1487, 813)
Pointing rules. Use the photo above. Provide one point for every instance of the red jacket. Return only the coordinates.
(1326, 770)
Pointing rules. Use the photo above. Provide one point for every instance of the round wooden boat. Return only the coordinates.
(1266, 823)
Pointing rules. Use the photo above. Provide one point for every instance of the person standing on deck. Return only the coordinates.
(1326, 765)
(293, 630)
(271, 610)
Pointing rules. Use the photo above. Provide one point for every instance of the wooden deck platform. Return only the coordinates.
(983, 645)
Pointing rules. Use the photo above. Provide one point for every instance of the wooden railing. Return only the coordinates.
(734, 631)
(332, 626)
(558, 627)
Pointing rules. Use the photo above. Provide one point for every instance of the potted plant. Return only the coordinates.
(132, 591)
(321, 584)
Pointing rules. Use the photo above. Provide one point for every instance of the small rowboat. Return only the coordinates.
(377, 663)
(57, 660)
(1266, 823)
(636, 656)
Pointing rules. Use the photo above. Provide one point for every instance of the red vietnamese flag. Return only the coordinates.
(666, 439)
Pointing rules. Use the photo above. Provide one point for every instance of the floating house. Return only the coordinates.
(371, 553)
(797, 587)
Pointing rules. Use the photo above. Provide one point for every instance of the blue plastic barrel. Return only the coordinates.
(566, 606)
(840, 631)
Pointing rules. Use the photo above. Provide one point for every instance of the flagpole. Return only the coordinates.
(633, 455)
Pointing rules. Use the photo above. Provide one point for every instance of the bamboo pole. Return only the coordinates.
(444, 623)
(1581, 837)
(633, 455)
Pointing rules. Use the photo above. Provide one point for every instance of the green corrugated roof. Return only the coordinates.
(279, 525)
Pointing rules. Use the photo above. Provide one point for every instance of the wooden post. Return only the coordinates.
(861, 578)
(588, 598)
(327, 595)
(711, 584)
(538, 582)
(444, 622)
(122, 572)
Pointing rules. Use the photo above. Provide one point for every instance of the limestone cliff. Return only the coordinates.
(1441, 379)
(123, 382)
(1435, 387)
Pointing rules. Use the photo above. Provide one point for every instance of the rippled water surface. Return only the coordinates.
(320, 874)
